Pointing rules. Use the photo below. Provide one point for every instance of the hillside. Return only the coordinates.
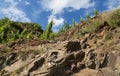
(105, 21)
(91, 48)
(11, 30)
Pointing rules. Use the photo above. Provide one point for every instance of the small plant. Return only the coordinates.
(96, 12)
(81, 19)
(36, 52)
(22, 33)
(67, 26)
(64, 28)
(47, 32)
(8, 49)
(73, 22)
(117, 47)
(29, 36)
(52, 35)
(113, 18)
(88, 16)
(108, 35)
(92, 25)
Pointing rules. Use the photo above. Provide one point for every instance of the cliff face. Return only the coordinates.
(78, 52)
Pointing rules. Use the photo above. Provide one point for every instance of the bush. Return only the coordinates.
(108, 36)
(88, 16)
(64, 28)
(113, 18)
(81, 19)
(47, 32)
(96, 12)
(10, 30)
(73, 22)
(92, 25)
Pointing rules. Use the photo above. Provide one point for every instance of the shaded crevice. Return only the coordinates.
(73, 46)
(37, 65)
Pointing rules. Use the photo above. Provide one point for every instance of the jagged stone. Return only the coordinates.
(63, 59)
(73, 46)
(111, 60)
(11, 59)
(2, 62)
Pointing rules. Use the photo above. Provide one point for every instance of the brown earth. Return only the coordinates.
(94, 54)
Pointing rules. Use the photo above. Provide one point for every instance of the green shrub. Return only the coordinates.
(64, 28)
(96, 12)
(10, 30)
(108, 36)
(29, 35)
(113, 18)
(47, 32)
(81, 19)
(52, 35)
(88, 16)
(92, 25)
(73, 22)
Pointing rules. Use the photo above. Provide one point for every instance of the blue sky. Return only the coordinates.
(60, 11)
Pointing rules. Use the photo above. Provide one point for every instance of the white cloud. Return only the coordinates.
(112, 4)
(57, 22)
(57, 7)
(27, 3)
(13, 12)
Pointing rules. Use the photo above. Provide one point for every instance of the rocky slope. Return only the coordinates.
(90, 53)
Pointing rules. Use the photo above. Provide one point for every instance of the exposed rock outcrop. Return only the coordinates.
(83, 50)
(62, 59)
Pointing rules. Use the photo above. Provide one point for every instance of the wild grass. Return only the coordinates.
(112, 18)
(92, 25)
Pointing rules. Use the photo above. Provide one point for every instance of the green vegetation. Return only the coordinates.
(81, 19)
(88, 16)
(96, 12)
(64, 28)
(92, 25)
(112, 18)
(48, 34)
(73, 22)
(10, 30)
(108, 35)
